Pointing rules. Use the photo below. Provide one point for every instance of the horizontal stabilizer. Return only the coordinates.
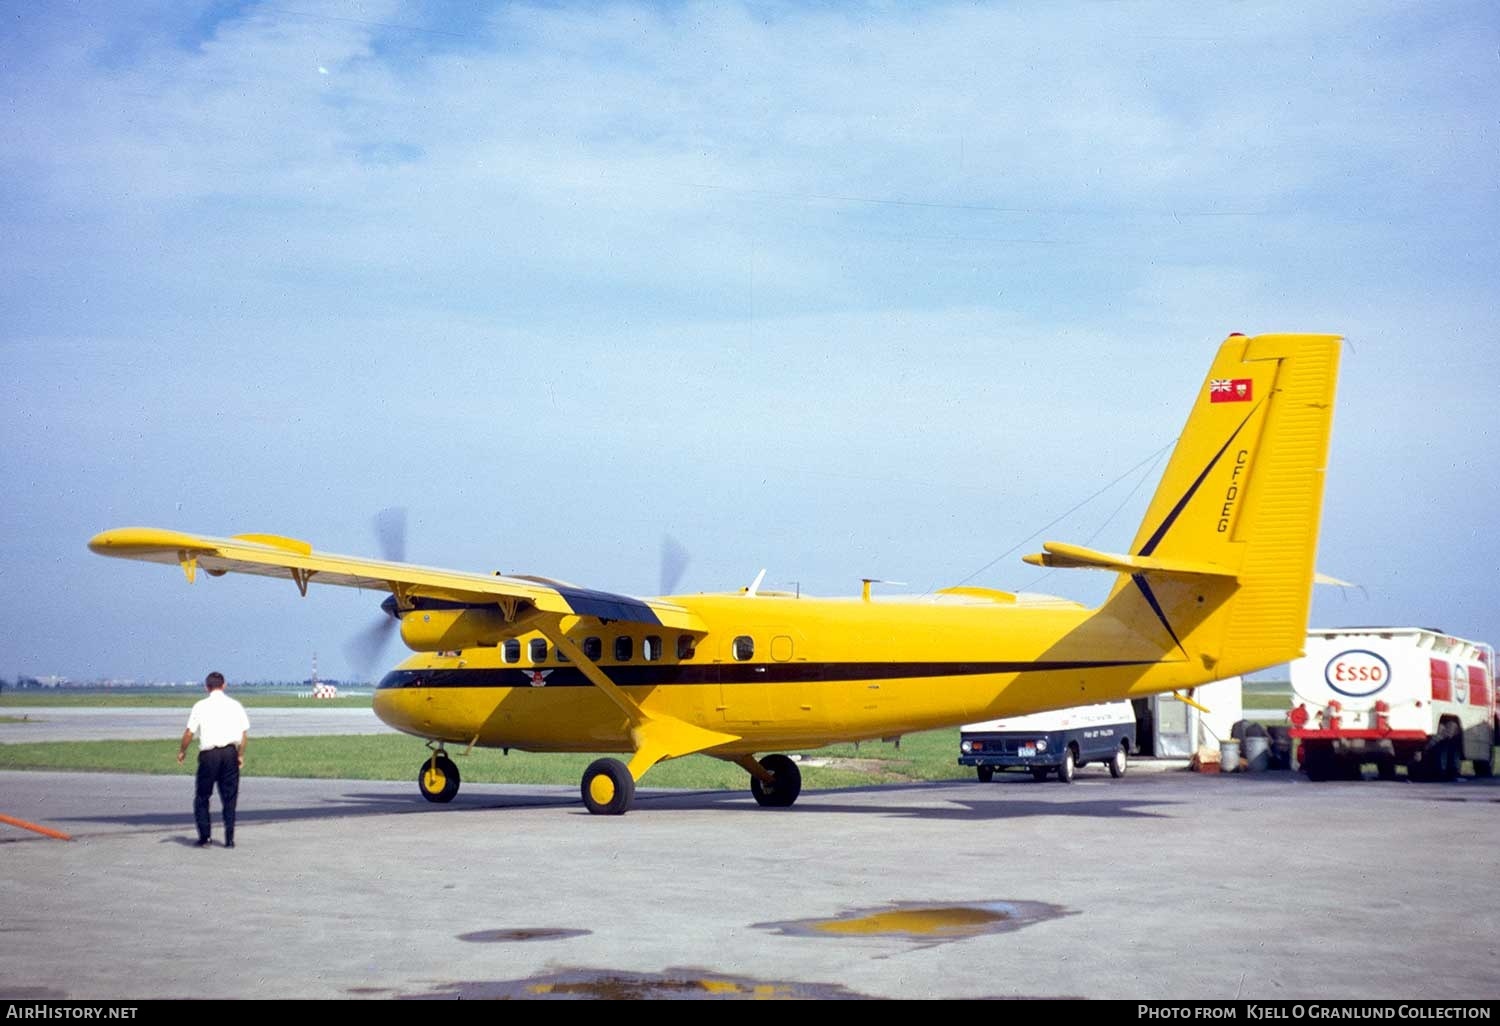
(1063, 556)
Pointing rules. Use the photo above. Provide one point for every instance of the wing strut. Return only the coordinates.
(656, 737)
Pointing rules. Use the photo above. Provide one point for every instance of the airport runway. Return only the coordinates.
(1164, 885)
(70, 723)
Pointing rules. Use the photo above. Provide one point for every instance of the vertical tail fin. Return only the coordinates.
(1221, 569)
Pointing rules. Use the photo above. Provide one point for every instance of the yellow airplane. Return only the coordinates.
(1217, 583)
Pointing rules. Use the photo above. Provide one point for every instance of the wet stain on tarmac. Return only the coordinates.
(515, 936)
(611, 985)
(930, 923)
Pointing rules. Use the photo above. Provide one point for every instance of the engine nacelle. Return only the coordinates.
(449, 630)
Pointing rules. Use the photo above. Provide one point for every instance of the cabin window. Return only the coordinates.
(562, 656)
(593, 649)
(684, 646)
(538, 650)
(744, 647)
(623, 649)
(512, 651)
(651, 648)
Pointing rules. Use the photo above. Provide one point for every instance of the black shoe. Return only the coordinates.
(203, 842)
(229, 844)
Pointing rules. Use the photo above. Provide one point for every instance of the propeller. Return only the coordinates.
(390, 531)
(364, 649)
(674, 560)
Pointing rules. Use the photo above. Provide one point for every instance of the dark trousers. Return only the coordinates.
(217, 766)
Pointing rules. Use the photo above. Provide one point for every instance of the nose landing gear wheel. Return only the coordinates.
(438, 779)
(608, 788)
(787, 786)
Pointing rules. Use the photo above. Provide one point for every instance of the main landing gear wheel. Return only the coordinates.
(781, 793)
(986, 774)
(608, 788)
(438, 779)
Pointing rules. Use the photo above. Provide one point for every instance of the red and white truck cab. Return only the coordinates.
(1393, 696)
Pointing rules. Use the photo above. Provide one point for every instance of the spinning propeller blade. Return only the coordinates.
(390, 530)
(365, 649)
(674, 560)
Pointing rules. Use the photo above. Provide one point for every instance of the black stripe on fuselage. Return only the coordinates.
(566, 676)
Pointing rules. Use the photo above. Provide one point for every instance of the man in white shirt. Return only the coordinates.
(223, 731)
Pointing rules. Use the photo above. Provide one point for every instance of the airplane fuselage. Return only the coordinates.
(781, 672)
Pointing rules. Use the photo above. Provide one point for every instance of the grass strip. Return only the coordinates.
(932, 755)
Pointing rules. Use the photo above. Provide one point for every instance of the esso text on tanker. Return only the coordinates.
(1357, 672)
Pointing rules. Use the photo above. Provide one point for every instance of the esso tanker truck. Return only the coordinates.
(1393, 696)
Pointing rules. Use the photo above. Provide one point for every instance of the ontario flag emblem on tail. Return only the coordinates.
(1229, 390)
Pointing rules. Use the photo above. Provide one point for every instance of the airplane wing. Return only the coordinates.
(273, 556)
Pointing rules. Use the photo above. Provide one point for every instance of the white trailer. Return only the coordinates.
(1393, 696)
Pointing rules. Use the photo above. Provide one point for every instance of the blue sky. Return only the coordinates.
(835, 290)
